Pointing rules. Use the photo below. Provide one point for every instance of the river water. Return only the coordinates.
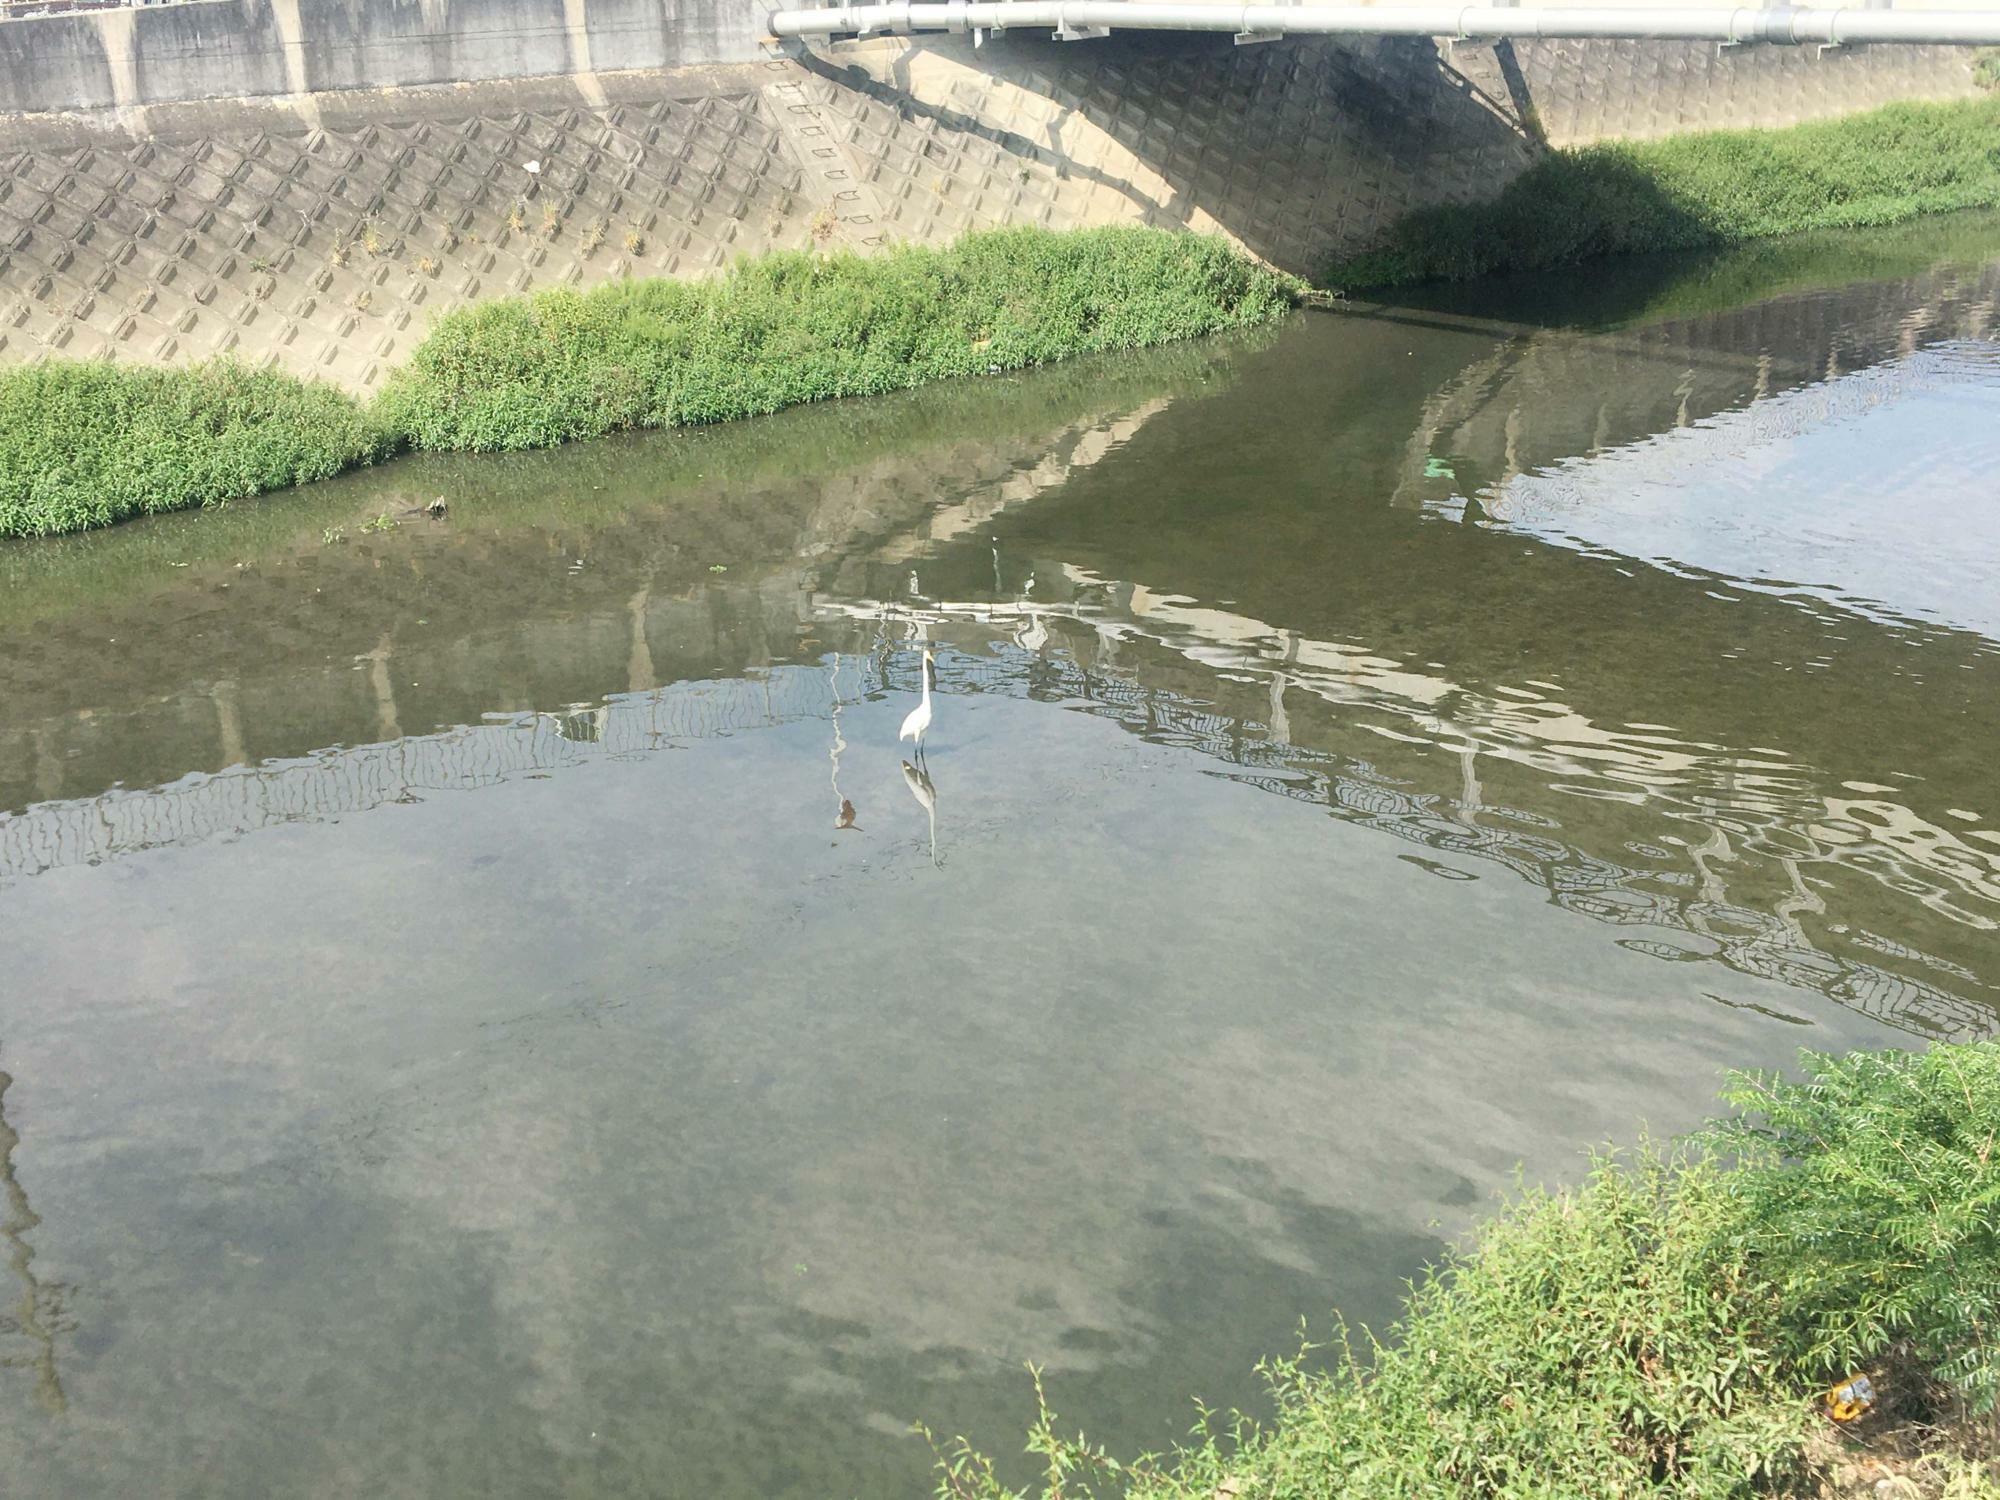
(451, 1045)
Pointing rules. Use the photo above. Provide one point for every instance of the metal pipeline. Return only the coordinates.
(1077, 20)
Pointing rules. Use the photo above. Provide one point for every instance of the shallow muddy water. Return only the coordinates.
(450, 1044)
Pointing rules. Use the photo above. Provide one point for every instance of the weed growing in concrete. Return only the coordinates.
(635, 242)
(1715, 188)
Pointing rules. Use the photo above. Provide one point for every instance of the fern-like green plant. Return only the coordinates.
(1871, 1200)
(1662, 1328)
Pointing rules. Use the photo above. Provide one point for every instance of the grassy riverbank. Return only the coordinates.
(1668, 1327)
(91, 443)
(1696, 191)
(86, 443)
(785, 329)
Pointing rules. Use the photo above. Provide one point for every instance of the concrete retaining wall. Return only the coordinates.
(278, 179)
(216, 49)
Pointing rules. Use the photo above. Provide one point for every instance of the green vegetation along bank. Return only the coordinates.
(1696, 191)
(1669, 1327)
(86, 444)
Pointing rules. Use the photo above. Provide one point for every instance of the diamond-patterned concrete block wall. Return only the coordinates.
(1292, 149)
(326, 249)
(1593, 91)
(321, 234)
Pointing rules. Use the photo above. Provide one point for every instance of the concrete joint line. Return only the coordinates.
(115, 27)
(576, 21)
(292, 42)
(827, 168)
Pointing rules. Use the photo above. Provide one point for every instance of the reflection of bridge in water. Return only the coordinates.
(1678, 914)
(1210, 680)
(1544, 395)
(39, 1310)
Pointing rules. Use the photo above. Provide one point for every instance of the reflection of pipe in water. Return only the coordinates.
(48, 763)
(1469, 797)
(387, 724)
(640, 674)
(925, 791)
(1801, 900)
(580, 723)
(843, 816)
(1280, 725)
(38, 1312)
(1713, 848)
(229, 724)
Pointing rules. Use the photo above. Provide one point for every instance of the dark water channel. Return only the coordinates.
(448, 1047)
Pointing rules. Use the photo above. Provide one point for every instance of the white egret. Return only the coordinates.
(918, 724)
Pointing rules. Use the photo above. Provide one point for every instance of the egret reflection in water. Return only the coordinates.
(925, 791)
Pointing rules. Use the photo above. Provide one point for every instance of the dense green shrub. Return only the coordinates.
(1660, 1329)
(794, 327)
(1713, 188)
(1870, 1199)
(86, 443)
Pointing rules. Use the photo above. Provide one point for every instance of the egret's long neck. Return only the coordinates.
(927, 682)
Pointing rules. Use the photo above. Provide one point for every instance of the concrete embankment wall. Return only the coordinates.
(203, 50)
(307, 182)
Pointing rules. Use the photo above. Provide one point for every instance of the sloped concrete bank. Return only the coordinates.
(305, 183)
